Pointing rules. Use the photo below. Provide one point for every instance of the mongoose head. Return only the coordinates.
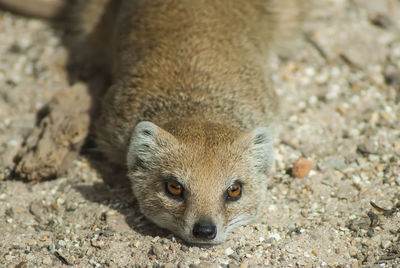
(199, 180)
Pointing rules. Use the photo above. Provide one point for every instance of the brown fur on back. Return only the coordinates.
(192, 59)
(196, 70)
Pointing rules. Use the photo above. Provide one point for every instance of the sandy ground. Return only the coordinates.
(341, 100)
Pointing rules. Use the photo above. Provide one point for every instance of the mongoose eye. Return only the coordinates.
(174, 188)
(234, 192)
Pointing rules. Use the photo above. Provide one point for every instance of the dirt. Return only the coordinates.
(340, 93)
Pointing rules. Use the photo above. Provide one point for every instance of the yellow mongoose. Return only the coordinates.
(189, 113)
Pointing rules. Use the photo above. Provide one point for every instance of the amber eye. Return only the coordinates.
(234, 192)
(174, 188)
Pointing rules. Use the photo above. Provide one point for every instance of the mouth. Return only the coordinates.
(202, 244)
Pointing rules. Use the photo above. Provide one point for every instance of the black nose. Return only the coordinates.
(205, 230)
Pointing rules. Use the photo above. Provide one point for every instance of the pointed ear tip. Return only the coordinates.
(145, 127)
(145, 124)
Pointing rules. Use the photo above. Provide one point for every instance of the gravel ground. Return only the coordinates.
(340, 95)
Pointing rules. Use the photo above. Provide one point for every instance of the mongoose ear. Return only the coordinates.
(259, 141)
(147, 142)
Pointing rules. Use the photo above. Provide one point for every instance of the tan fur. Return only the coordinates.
(196, 69)
(189, 100)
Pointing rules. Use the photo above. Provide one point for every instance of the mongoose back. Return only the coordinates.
(189, 114)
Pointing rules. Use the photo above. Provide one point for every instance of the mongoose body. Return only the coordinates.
(190, 113)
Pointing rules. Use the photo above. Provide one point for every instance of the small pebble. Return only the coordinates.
(51, 247)
(367, 148)
(30, 257)
(314, 252)
(47, 261)
(229, 251)
(386, 244)
(157, 250)
(62, 243)
(353, 252)
(97, 243)
(301, 168)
